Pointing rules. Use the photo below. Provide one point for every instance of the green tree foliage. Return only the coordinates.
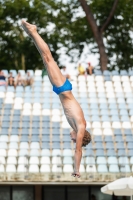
(69, 29)
(17, 50)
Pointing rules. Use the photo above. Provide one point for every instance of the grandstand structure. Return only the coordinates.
(34, 135)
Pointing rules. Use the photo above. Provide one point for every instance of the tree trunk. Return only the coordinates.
(103, 55)
(23, 61)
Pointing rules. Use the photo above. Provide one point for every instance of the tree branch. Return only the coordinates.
(90, 17)
(111, 14)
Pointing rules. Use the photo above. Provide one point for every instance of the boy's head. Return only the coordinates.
(86, 138)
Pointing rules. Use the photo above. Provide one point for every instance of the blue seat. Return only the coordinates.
(98, 138)
(35, 124)
(56, 131)
(45, 124)
(25, 131)
(66, 138)
(25, 118)
(111, 152)
(5, 124)
(45, 145)
(109, 145)
(56, 145)
(35, 138)
(130, 152)
(67, 145)
(130, 145)
(89, 153)
(118, 138)
(45, 138)
(121, 152)
(129, 138)
(120, 145)
(127, 131)
(117, 132)
(4, 131)
(45, 118)
(35, 131)
(24, 138)
(55, 124)
(56, 138)
(15, 124)
(98, 145)
(100, 152)
(14, 131)
(114, 73)
(45, 131)
(108, 138)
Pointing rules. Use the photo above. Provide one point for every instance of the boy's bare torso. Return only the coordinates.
(72, 110)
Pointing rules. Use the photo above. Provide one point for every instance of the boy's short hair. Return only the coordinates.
(86, 138)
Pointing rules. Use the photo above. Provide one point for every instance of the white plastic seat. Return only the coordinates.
(45, 169)
(67, 152)
(45, 160)
(12, 152)
(24, 145)
(56, 169)
(116, 125)
(37, 106)
(10, 168)
(131, 160)
(2, 168)
(102, 168)
(3, 152)
(90, 160)
(3, 145)
(112, 160)
(107, 131)
(101, 160)
(125, 168)
(67, 160)
(56, 160)
(34, 145)
(4, 138)
(12, 160)
(82, 168)
(96, 125)
(97, 131)
(23, 152)
(13, 145)
(14, 138)
(27, 106)
(126, 125)
(34, 152)
(22, 160)
(56, 118)
(33, 169)
(26, 112)
(21, 169)
(45, 152)
(2, 160)
(67, 168)
(113, 168)
(106, 125)
(36, 112)
(46, 112)
(123, 160)
(91, 168)
(34, 160)
(56, 152)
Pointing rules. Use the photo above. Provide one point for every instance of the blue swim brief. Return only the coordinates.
(66, 87)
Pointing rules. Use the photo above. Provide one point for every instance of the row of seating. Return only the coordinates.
(65, 160)
(67, 168)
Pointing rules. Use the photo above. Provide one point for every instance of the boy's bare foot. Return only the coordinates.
(29, 28)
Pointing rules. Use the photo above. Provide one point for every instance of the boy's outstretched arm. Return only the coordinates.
(78, 152)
